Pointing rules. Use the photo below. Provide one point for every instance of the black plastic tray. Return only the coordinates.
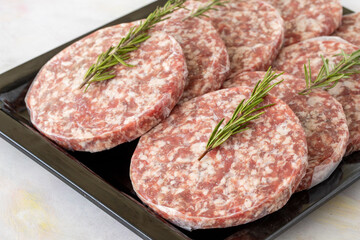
(103, 177)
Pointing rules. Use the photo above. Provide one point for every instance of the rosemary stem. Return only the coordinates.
(329, 76)
(204, 153)
(86, 80)
(315, 85)
(244, 113)
(99, 71)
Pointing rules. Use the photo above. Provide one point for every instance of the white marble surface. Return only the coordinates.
(36, 205)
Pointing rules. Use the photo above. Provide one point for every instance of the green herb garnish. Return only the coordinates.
(99, 71)
(328, 78)
(245, 112)
(211, 5)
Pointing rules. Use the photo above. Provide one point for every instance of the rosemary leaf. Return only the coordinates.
(328, 77)
(211, 5)
(245, 112)
(131, 42)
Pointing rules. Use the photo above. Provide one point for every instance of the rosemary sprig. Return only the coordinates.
(99, 71)
(245, 112)
(328, 77)
(211, 5)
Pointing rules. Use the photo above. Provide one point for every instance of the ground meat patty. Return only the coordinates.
(205, 52)
(351, 106)
(350, 28)
(251, 175)
(306, 19)
(253, 32)
(321, 116)
(292, 59)
(111, 112)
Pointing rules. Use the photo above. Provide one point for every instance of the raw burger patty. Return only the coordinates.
(205, 52)
(306, 19)
(351, 106)
(251, 175)
(111, 112)
(350, 28)
(321, 116)
(253, 32)
(292, 59)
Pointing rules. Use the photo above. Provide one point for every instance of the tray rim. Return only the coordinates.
(78, 177)
(19, 75)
